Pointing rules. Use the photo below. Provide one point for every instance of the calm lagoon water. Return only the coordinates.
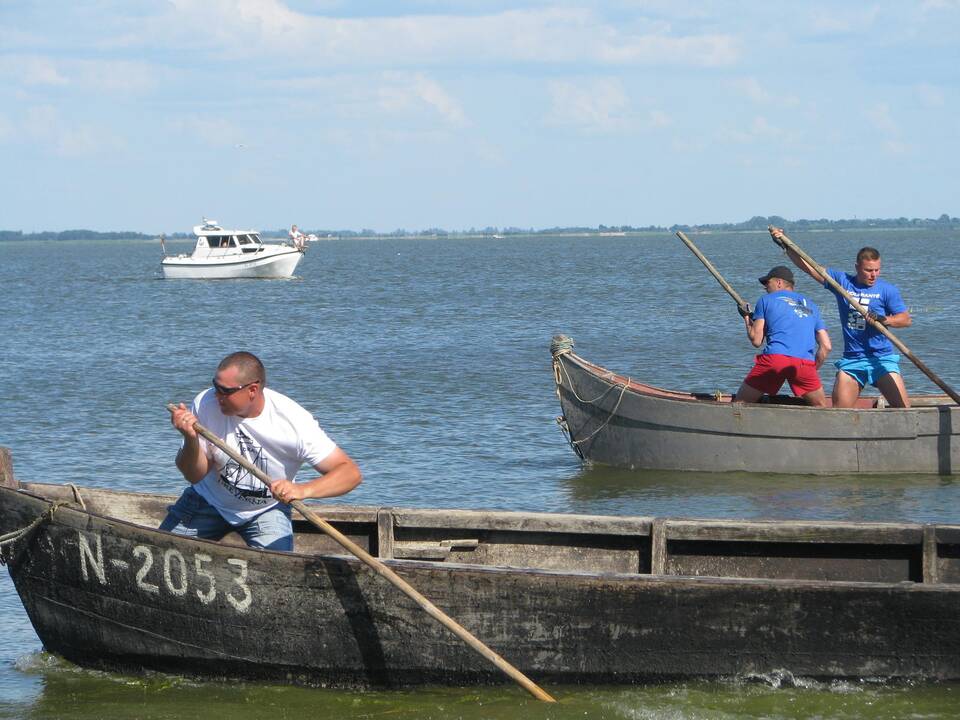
(428, 361)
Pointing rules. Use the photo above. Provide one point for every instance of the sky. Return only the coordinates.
(147, 115)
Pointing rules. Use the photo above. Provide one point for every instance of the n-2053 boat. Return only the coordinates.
(223, 254)
(564, 598)
(611, 419)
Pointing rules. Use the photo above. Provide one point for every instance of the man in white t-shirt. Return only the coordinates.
(271, 431)
(297, 237)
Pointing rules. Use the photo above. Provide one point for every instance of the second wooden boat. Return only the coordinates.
(612, 419)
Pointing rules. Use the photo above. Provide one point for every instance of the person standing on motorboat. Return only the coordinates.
(869, 358)
(796, 339)
(274, 433)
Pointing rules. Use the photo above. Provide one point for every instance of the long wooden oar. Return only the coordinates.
(742, 305)
(385, 572)
(788, 244)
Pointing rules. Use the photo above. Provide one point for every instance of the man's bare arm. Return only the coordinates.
(191, 459)
(777, 235)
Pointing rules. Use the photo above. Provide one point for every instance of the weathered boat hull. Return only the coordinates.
(562, 598)
(613, 420)
(273, 264)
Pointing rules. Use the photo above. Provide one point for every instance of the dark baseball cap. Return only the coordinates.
(779, 271)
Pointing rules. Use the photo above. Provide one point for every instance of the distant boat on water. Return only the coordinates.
(223, 254)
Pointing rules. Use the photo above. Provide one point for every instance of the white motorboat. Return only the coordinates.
(222, 254)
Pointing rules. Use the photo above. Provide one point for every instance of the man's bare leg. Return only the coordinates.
(893, 389)
(846, 391)
(817, 398)
(748, 394)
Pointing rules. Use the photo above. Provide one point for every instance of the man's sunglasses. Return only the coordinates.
(222, 390)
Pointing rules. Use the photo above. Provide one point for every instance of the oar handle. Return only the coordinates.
(742, 305)
(788, 244)
(382, 570)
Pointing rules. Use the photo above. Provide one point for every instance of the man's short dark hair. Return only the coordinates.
(867, 253)
(249, 366)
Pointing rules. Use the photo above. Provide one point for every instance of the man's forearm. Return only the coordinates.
(339, 481)
(191, 461)
(804, 265)
(900, 320)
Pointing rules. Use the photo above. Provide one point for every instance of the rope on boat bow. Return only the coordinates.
(575, 443)
(561, 345)
(10, 538)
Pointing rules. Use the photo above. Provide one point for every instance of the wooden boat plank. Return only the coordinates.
(531, 522)
(750, 561)
(795, 531)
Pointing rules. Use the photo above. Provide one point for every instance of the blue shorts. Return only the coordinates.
(868, 370)
(193, 516)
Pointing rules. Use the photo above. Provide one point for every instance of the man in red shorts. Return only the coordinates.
(796, 339)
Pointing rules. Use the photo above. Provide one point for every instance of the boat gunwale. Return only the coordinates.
(542, 521)
(452, 566)
(931, 402)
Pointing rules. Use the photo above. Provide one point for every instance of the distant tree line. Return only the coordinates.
(758, 222)
(73, 235)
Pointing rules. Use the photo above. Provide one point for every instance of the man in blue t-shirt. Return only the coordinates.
(796, 338)
(869, 358)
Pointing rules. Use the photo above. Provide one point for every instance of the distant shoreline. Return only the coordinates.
(754, 225)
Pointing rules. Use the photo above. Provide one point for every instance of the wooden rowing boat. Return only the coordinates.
(612, 419)
(566, 598)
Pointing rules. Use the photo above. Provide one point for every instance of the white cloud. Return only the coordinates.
(896, 147)
(489, 153)
(45, 126)
(593, 105)
(233, 21)
(841, 20)
(37, 71)
(891, 140)
(761, 127)
(106, 76)
(213, 132)
(115, 76)
(880, 117)
(405, 92)
(758, 130)
(940, 5)
(659, 119)
(246, 28)
(6, 128)
(703, 50)
(930, 96)
(751, 88)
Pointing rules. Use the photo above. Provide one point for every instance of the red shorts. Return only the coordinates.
(770, 371)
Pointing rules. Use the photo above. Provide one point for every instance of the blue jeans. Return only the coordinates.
(193, 516)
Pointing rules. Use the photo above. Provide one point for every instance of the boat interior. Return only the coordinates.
(865, 402)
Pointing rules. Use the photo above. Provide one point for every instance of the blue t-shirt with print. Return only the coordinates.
(860, 339)
(791, 323)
